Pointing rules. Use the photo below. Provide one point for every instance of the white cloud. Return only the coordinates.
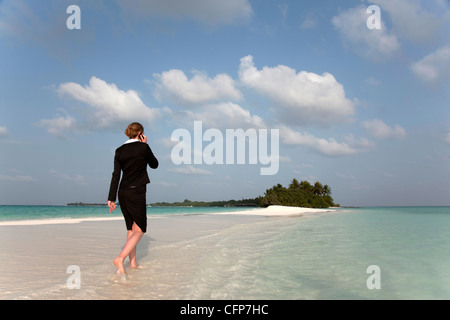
(381, 130)
(165, 184)
(17, 178)
(207, 12)
(44, 26)
(109, 103)
(435, 67)
(3, 132)
(410, 20)
(225, 115)
(302, 97)
(447, 138)
(190, 170)
(176, 87)
(346, 176)
(309, 23)
(371, 81)
(58, 126)
(283, 10)
(329, 147)
(108, 107)
(360, 144)
(375, 44)
(78, 179)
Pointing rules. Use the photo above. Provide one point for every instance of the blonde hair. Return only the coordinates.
(133, 130)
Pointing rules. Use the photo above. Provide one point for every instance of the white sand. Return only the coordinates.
(36, 222)
(35, 257)
(279, 211)
(269, 211)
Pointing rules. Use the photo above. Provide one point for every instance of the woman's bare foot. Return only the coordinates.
(136, 266)
(118, 262)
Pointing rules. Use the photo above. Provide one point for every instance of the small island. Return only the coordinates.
(189, 203)
(82, 204)
(297, 194)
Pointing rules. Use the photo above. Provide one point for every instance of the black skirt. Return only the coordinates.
(132, 202)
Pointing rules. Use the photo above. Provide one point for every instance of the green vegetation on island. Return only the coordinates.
(298, 194)
(189, 203)
(82, 204)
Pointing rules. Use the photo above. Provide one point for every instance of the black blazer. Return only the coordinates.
(131, 158)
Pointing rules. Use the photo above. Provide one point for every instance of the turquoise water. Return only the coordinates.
(324, 256)
(328, 257)
(16, 213)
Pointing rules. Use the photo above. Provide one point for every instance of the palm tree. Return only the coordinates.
(305, 185)
(318, 189)
(294, 184)
(326, 190)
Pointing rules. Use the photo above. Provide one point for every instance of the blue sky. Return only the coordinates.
(365, 111)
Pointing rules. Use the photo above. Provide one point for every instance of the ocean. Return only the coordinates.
(351, 253)
(40, 213)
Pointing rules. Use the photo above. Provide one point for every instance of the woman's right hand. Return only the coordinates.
(112, 206)
(143, 138)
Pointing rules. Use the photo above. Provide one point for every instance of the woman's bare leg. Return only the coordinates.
(132, 255)
(133, 239)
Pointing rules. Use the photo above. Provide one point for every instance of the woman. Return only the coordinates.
(131, 158)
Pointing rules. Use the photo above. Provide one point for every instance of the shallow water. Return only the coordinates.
(36, 213)
(204, 256)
